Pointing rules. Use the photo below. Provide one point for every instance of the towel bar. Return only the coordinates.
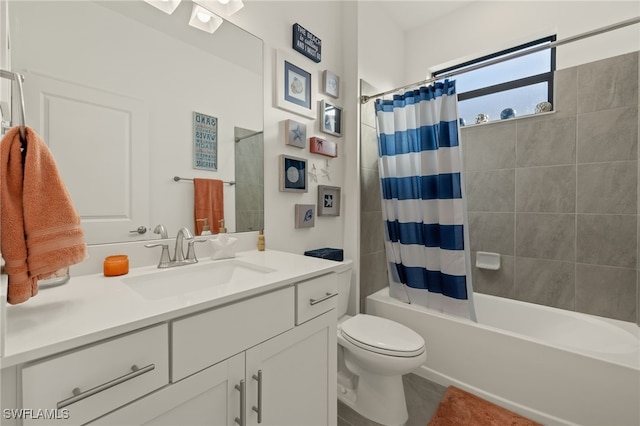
(178, 178)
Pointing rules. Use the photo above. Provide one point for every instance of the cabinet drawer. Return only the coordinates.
(316, 296)
(90, 382)
(204, 339)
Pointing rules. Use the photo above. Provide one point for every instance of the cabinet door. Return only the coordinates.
(298, 371)
(208, 397)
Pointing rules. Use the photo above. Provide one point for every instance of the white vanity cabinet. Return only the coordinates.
(298, 370)
(268, 358)
(76, 387)
(266, 370)
(287, 380)
(208, 397)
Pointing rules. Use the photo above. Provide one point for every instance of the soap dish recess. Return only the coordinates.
(487, 260)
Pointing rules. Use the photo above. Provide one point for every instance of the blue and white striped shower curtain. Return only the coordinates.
(420, 164)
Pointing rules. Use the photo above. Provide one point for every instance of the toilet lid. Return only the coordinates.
(382, 336)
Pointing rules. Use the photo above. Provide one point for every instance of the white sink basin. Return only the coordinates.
(170, 282)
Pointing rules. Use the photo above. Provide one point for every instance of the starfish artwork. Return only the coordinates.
(295, 133)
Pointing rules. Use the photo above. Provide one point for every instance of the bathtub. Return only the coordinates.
(551, 365)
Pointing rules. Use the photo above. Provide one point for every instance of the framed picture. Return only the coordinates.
(205, 142)
(295, 133)
(330, 118)
(331, 84)
(293, 174)
(328, 200)
(293, 87)
(305, 215)
(323, 147)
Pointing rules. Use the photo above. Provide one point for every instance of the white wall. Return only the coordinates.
(489, 26)
(272, 21)
(380, 48)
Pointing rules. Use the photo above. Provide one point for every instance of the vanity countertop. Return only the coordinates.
(93, 307)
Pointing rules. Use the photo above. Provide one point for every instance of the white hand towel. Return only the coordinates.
(224, 247)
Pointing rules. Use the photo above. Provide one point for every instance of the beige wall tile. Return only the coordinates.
(607, 240)
(546, 236)
(546, 189)
(606, 291)
(608, 187)
(608, 135)
(609, 83)
(546, 142)
(545, 282)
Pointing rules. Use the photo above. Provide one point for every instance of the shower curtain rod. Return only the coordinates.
(366, 98)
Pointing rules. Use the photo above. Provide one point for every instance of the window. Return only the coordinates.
(519, 83)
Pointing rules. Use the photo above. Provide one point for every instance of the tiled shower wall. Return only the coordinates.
(555, 194)
(373, 261)
(249, 164)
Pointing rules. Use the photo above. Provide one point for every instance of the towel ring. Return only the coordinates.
(18, 78)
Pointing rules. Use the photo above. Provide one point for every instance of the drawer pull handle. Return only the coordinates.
(258, 409)
(243, 403)
(322, 299)
(79, 395)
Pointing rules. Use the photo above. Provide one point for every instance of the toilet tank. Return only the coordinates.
(344, 290)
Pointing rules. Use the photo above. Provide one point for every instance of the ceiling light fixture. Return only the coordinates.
(167, 6)
(221, 7)
(204, 20)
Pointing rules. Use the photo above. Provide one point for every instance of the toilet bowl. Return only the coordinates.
(373, 354)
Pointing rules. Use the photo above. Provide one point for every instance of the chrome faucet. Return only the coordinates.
(165, 257)
(178, 259)
(183, 234)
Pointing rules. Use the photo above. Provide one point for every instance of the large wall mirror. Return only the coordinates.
(112, 87)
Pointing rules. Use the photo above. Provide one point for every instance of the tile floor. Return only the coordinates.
(422, 395)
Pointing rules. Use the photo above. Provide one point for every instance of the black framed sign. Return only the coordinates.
(306, 43)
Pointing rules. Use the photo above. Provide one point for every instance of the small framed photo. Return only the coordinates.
(323, 147)
(205, 142)
(331, 84)
(328, 200)
(330, 118)
(305, 215)
(293, 174)
(295, 133)
(293, 87)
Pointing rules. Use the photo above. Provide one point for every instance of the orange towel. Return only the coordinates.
(40, 229)
(208, 202)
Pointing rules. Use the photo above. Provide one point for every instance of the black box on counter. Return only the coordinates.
(326, 253)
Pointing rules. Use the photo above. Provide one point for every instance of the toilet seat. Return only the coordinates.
(382, 336)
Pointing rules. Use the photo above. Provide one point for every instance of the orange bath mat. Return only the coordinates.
(459, 407)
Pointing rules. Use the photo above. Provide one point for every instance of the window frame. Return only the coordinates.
(511, 84)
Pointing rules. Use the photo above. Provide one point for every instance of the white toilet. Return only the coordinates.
(373, 354)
